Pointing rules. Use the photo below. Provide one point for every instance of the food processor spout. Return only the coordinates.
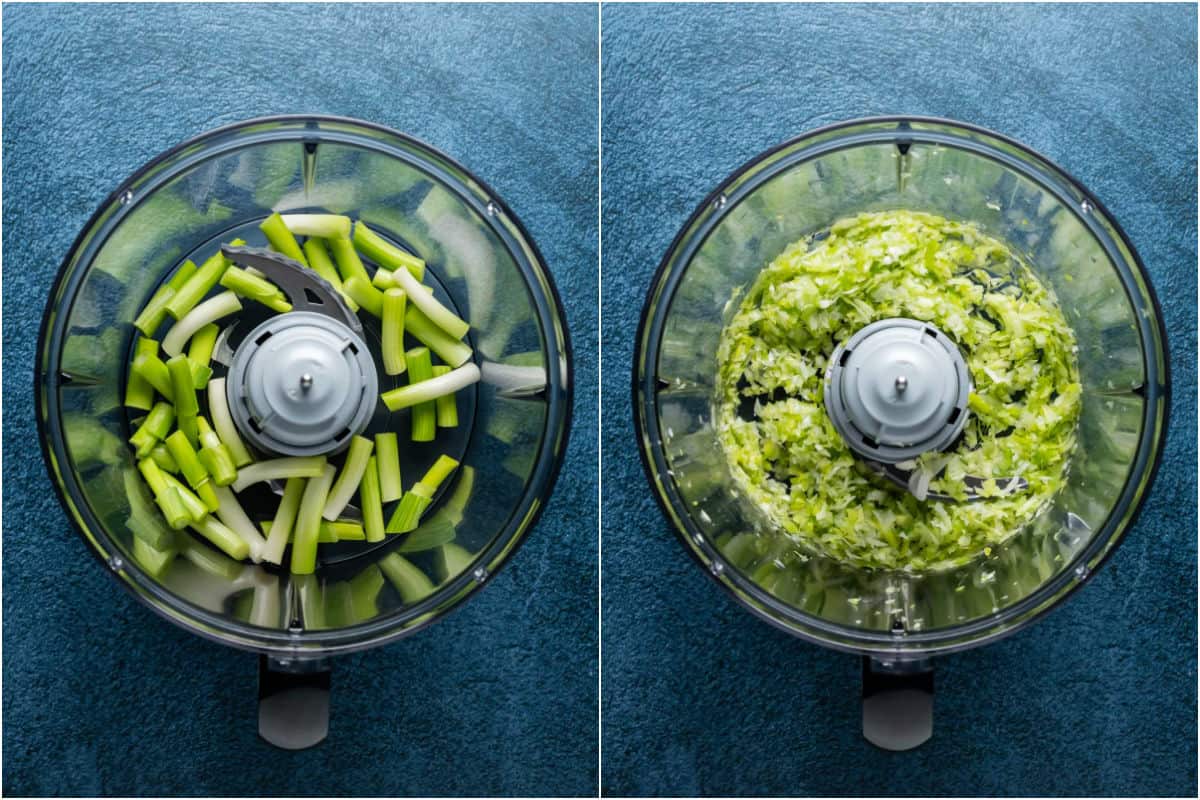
(897, 702)
(293, 702)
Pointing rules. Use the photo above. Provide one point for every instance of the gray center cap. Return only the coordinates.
(302, 384)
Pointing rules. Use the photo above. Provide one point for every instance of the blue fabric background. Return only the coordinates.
(101, 696)
(698, 697)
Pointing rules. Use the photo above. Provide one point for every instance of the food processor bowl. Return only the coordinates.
(510, 440)
(895, 619)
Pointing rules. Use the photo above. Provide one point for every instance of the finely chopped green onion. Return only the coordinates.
(790, 461)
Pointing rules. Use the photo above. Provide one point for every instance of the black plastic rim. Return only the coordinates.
(463, 587)
(882, 644)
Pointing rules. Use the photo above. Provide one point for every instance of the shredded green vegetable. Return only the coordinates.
(790, 461)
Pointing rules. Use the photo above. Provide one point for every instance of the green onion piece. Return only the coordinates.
(186, 406)
(412, 584)
(451, 560)
(151, 368)
(407, 515)
(364, 590)
(252, 287)
(153, 561)
(162, 456)
(210, 560)
(327, 226)
(285, 520)
(448, 349)
(168, 499)
(312, 602)
(426, 391)
(154, 428)
(210, 310)
(438, 314)
(458, 500)
(203, 342)
(220, 535)
(308, 522)
(424, 416)
(447, 406)
(346, 530)
(326, 535)
(193, 470)
(139, 392)
(194, 505)
(200, 374)
(218, 406)
(349, 265)
(392, 331)
(372, 505)
(279, 469)
(351, 475)
(433, 533)
(387, 456)
(383, 280)
(155, 310)
(143, 509)
(384, 253)
(193, 290)
(366, 295)
(281, 239)
(438, 473)
(182, 275)
(322, 264)
(233, 515)
(215, 456)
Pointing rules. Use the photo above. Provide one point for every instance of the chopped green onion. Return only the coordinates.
(392, 331)
(182, 275)
(220, 535)
(189, 464)
(308, 522)
(281, 239)
(372, 506)
(210, 310)
(149, 558)
(387, 456)
(284, 522)
(385, 254)
(198, 284)
(200, 374)
(349, 265)
(278, 469)
(151, 368)
(321, 263)
(253, 287)
(447, 406)
(215, 455)
(327, 226)
(448, 349)
(186, 406)
(210, 560)
(153, 429)
(438, 314)
(204, 340)
(408, 513)
(218, 406)
(139, 392)
(426, 391)
(168, 499)
(326, 535)
(194, 505)
(412, 584)
(155, 310)
(451, 560)
(162, 456)
(424, 415)
(346, 530)
(351, 474)
(366, 295)
(233, 515)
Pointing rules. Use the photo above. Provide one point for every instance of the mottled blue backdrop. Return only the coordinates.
(101, 696)
(699, 697)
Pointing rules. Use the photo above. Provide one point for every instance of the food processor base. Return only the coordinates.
(897, 703)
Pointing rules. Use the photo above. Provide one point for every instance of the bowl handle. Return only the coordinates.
(897, 703)
(293, 702)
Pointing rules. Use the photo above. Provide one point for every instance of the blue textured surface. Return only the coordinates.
(101, 696)
(698, 697)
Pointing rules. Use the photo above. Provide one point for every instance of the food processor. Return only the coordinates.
(898, 620)
(200, 197)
